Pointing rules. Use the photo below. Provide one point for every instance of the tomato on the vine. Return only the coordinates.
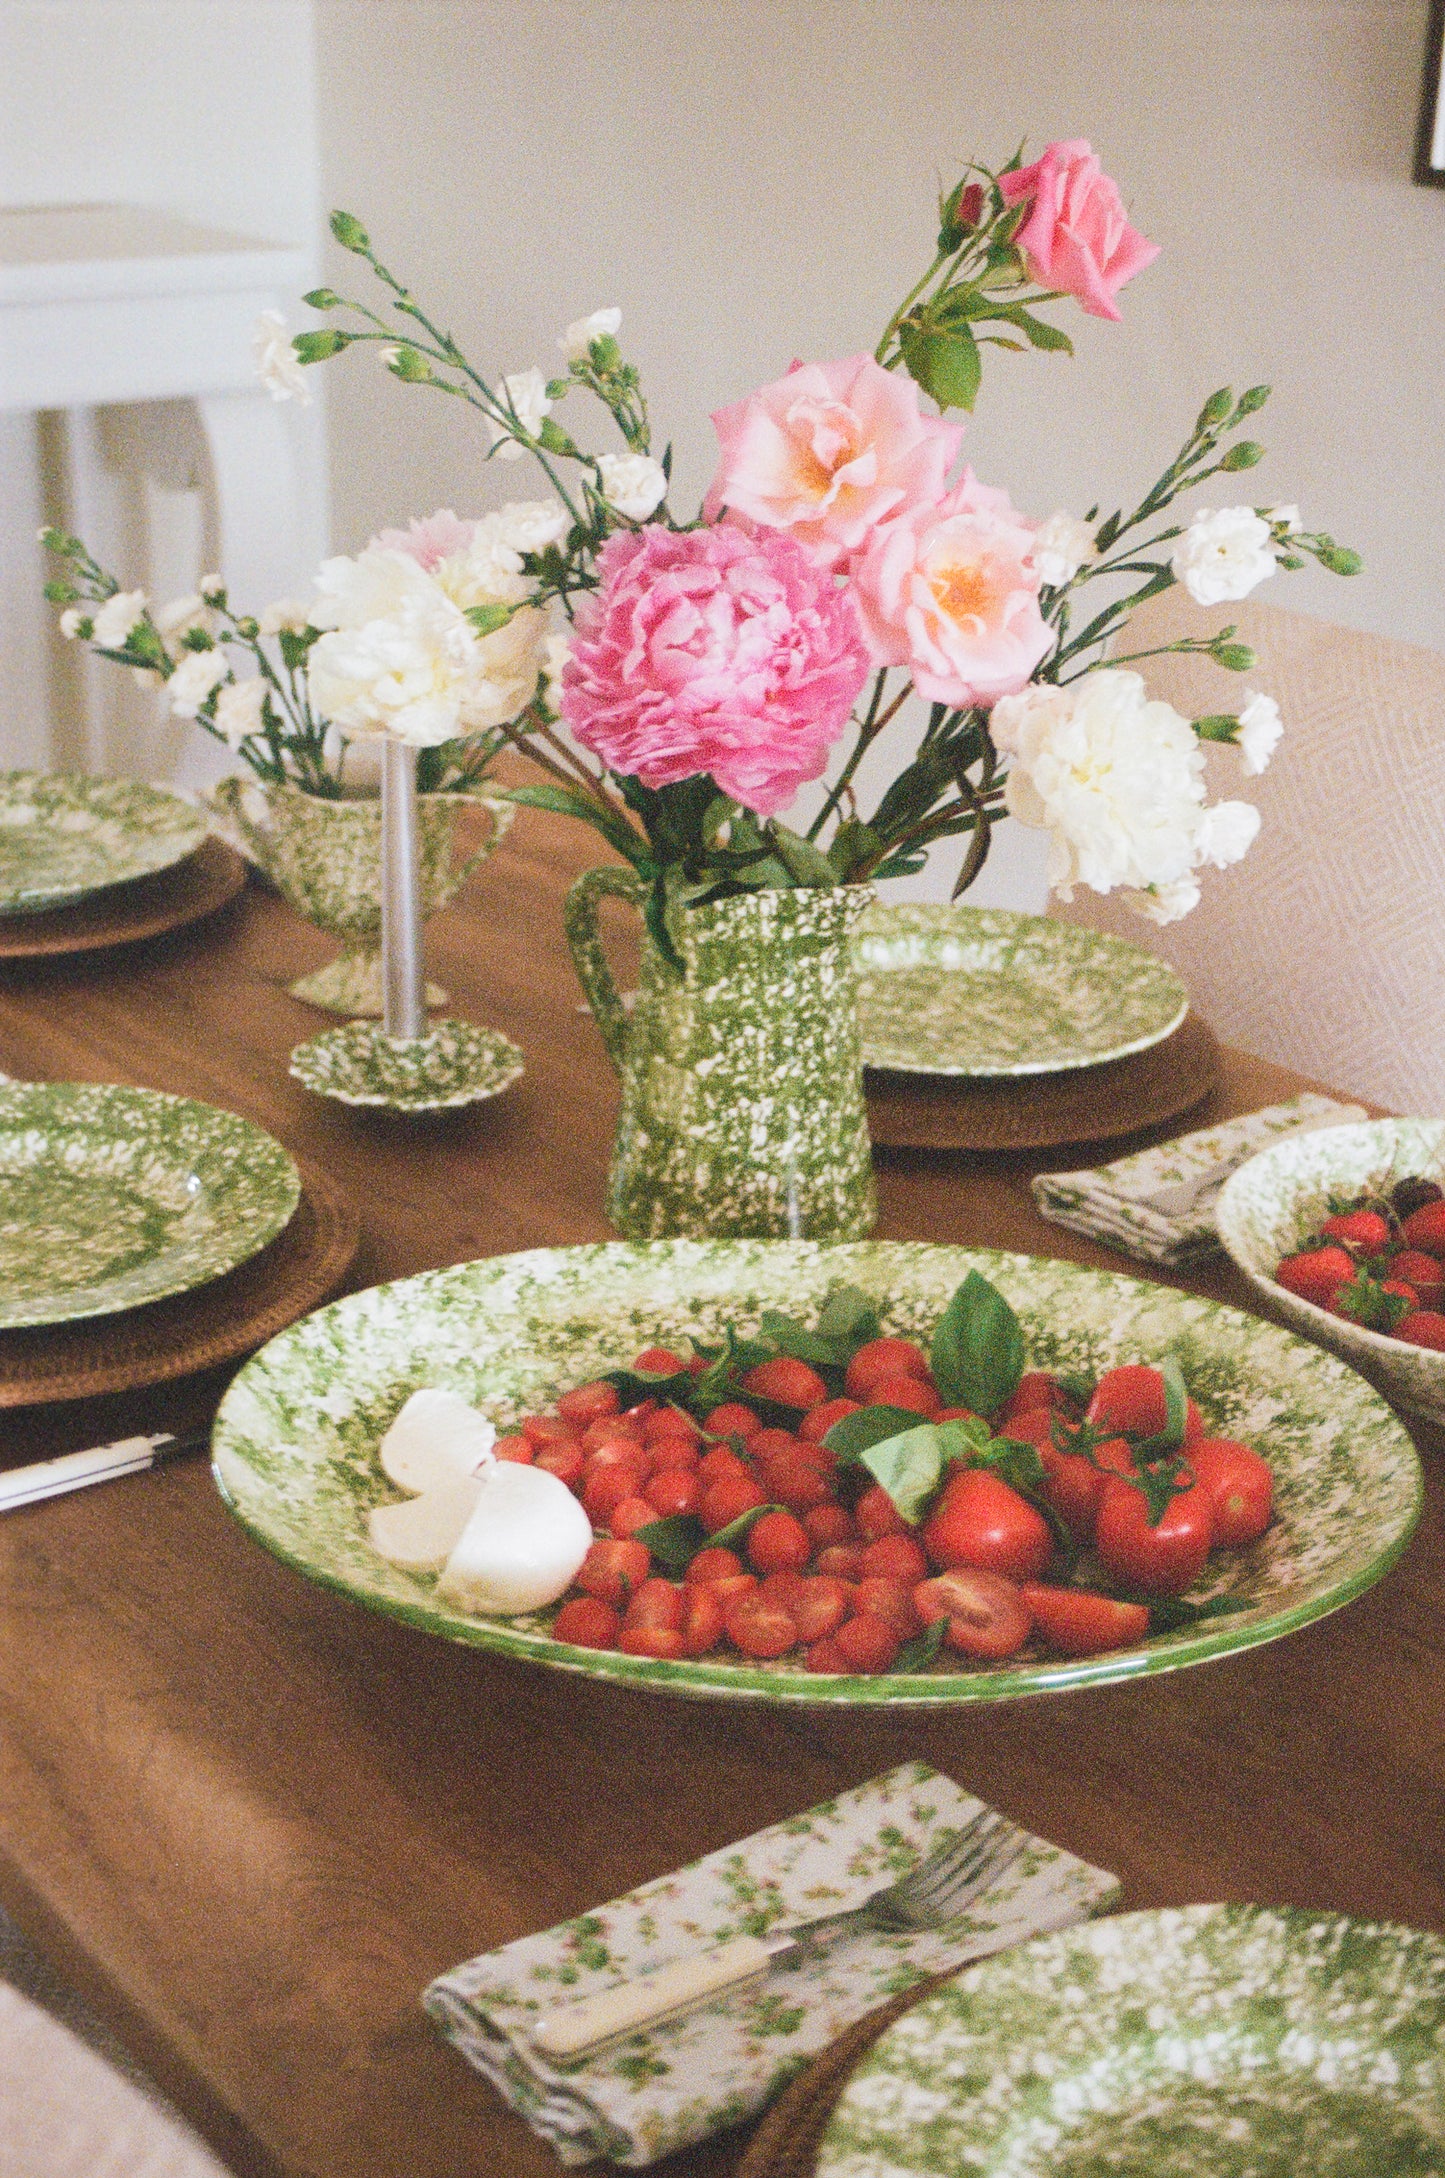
(980, 1521)
(1240, 1486)
(1164, 1558)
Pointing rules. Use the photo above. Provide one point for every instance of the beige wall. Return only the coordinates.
(750, 180)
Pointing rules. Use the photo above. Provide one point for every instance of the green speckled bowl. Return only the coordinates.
(112, 1196)
(297, 1435)
(986, 991)
(1271, 1203)
(64, 835)
(1194, 2042)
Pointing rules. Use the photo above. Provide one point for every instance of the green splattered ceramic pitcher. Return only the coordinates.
(742, 1078)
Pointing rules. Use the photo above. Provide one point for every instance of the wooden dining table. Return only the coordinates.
(249, 1820)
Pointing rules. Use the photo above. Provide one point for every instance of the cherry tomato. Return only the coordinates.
(1036, 1388)
(896, 1557)
(720, 1464)
(844, 1560)
(980, 1521)
(611, 1570)
(1132, 1398)
(987, 1615)
(612, 1429)
(715, 1564)
(909, 1392)
(1078, 1623)
(791, 1383)
(675, 1455)
(588, 1623)
(726, 1501)
(1075, 1486)
(778, 1543)
(730, 1586)
(825, 1655)
(588, 1403)
(548, 1429)
(829, 1524)
(773, 1444)
(876, 1514)
(702, 1619)
(759, 1628)
(1163, 1560)
(658, 1361)
(655, 1602)
(883, 1357)
(732, 1419)
(867, 1643)
(882, 1595)
(672, 1490)
(1240, 1486)
(633, 1513)
(604, 1489)
(1034, 1426)
(820, 1606)
(517, 1448)
(655, 1641)
(566, 1460)
(816, 1424)
(796, 1483)
(670, 1423)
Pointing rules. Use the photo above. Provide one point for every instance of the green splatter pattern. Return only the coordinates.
(63, 835)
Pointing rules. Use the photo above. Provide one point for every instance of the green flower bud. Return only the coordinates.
(1215, 409)
(405, 363)
(316, 347)
(61, 592)
(1341, 560)
(1254, 397)
(323, 298)
(1218, 726)
(1234, 657)
(1246, 455)
(350, 233)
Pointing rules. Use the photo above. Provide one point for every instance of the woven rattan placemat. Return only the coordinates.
(189, 1332)
(1046, 1111)
(786, 2143)
(124, 914)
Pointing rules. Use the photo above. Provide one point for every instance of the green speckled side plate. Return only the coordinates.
(961, 990)
(1194, 2042)
(63, 835)
(454, 1063)
(296, 1439)
(112, 1196)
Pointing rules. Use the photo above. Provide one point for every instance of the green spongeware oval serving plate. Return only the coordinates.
(1195, 2042)
(985, 991)
(64, 835)
(297, 1436)
(112, 1196)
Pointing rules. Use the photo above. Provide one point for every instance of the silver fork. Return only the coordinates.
(960, 1869)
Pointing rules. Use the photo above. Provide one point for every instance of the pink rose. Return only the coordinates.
(1076, 236)
(712, 651)
(952, 592)
(828, 453)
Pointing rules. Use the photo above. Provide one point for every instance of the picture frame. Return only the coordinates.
(1430, 134)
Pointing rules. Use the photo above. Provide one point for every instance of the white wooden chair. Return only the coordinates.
(1325, 947)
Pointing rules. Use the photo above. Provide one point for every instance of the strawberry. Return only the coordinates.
(1363, 1229)
(1315, 1274)
(1421, 1271)
(1425, 1328)
(1365, 1301)
(1425, 1228)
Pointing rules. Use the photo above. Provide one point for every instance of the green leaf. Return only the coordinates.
(1014, 1461)
(315, 347)
(1169, 1614)
(615, 829)
(847, 1314)
(853, 846)
(922, 1651)
(1078, 1386)
(674, 1542)
(945, 363)
(487, 619)
(60, 592)
(350, 233)
(787, 1336)
(977, 1353)
(804, 863)
(736, 1531)
(632, 1386)
(911, 1466)
(856, 1433)
(1176, 1414)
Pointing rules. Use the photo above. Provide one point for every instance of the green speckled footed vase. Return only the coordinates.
(742, 1079)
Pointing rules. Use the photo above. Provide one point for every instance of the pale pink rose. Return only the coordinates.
(828, 453)
(712, 651)
(429, 541)
(952, 592)
(1076, 236)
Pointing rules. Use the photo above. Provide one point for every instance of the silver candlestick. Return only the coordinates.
(402, 980)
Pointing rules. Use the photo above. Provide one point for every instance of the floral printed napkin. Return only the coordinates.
(1159, 1204)
(673, 2084)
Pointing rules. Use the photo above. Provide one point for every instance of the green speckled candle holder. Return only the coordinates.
(742, 1079)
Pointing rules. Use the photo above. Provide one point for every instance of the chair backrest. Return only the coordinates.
(1324, 948)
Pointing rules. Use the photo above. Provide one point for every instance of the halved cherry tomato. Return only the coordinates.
(820, 1605)
(612, 1569)
(791, 1383)
(843, 1560)
(759, 1628)
(980, 1521)
(702, 1619)
(883, 1595)
(1240, 1486)
(655, 1602)
(587, 1622)
(1078, 1623)
(987, 1615)
(880, 1358)
(548, 1429)
(588, 1403)
(654, 1641)
(1164, 1559)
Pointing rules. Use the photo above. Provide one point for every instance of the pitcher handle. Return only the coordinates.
(579, 919)
(501, 814)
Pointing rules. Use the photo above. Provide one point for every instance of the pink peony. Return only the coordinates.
(431, 541)
(828, 453)
(1076, 236)
(713, 651)
(952, 592)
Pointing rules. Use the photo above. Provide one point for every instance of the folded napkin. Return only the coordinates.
(669, 2085)
(1159, 1204)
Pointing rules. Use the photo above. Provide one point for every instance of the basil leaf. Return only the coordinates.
(977, 1354)
(1078, 1386)
(1016, 1463)
(1171, 1613)
(632, 1386)
(848, 1315)
(851, 1437)
(911, 1466)
(736, 1531)
(922, 1651)
(674, 1542)
(800, 1344)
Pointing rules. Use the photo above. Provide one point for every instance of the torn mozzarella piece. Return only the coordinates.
(421, 1533)
(435, 1438)
(522, 1545)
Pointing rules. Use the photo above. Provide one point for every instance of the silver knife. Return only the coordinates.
(77, 1470)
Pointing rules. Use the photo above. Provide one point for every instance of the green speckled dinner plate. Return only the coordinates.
(296, 1440)
(63, 835)
(1194, 2042)
(962, 990)
(112, 1196)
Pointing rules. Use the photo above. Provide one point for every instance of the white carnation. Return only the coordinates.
(1061, 546)
(288, 615)
(176, 620)
(530, 525)
(633, 483)
(117, 616)
(1260, 728)
(1286, 518)
(212, 587)
(1118, 781)
(74, 622)
(580, 334)
(239, 708)
(400, 656)
(1224, 554)
(197, 674)
(525, 393)
(278, 366)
